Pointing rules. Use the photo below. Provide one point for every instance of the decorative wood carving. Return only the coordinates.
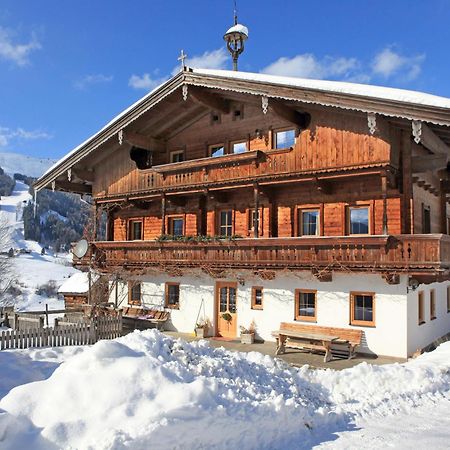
(372, 122)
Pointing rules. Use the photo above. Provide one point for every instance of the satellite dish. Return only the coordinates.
(80, 248)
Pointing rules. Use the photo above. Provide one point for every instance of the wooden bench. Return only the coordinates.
(331, 340)
(141, 318)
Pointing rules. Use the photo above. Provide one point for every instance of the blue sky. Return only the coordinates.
(67, 68)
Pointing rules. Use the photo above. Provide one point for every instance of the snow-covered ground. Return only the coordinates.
(31, 270)
(147, 390)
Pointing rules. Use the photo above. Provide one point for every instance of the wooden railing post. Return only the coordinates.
(163, 214)
(256, 219)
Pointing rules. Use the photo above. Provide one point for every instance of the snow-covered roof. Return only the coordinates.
(238, 28)
(337, 87)
(78, 283)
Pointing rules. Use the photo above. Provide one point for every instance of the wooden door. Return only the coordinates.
(226, 298)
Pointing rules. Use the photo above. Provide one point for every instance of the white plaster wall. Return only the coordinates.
(388, 337)
(419, 336)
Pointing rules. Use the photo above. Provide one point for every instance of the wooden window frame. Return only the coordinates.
(166, 295)
(250, 228)
(297, 315)
(176, 152)
(280, 130)
(369, 208)
(170, 217)
(130, 223)
(218, 226)
(239, 108)
(448, 299)
(220, 144)
(240, 141)
(433, 315)
(132, 285)
(420, 308)
(362, 323)
(299, 218)
(253, 304)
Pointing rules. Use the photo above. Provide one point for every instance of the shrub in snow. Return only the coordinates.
(49, 289)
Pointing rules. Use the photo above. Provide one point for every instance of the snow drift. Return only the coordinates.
(148, 390)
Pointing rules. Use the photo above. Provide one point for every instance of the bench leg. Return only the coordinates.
(351, 351)
(281, 340)
(328, 356)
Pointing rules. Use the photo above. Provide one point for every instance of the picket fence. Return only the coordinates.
(65, 333)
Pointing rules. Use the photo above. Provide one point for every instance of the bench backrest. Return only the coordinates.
(354, 336)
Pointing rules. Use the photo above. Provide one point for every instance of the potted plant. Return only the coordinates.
(201, 328)
(248, 334)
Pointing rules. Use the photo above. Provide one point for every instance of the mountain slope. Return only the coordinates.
(26, 165)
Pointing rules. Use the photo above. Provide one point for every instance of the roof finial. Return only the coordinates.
(235, 13)
(235, 38)
(181, 58)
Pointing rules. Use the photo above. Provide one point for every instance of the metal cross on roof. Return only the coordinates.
(181, 58)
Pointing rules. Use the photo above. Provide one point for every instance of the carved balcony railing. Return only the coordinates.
(389, 255)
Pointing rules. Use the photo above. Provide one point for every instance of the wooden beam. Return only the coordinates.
(212, 101)
(86, 175)
(146, 142)
(423, 163)
(432, 142)
(384, 183)
(407, 186)
(77, 188)
(323, 186)
(302, 120)
(177, 200)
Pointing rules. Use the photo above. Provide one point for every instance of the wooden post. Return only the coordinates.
(95, 224)
(407, 186)
(109, 226)
(384, 195)
(256, 216)
(46, 314)
(443, 201)
(163, 214)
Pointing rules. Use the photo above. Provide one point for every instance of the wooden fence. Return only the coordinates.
(64, 333)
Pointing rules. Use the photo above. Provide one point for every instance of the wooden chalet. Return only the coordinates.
(239, 197)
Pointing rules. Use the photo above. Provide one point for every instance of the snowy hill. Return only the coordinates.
(26, 165)
(31, 269)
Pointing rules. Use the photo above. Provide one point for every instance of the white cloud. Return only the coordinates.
(7, 135)
(215, 59)
(17, 53)
(93, 79)
(389, 63)
(309, 66)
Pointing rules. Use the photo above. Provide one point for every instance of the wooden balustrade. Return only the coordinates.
(407, 253)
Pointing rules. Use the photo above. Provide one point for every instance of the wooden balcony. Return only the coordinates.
(427, 255)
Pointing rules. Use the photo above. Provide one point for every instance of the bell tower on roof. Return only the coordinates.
(235, 38)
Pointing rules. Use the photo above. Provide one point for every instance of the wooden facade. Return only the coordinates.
(343, 160)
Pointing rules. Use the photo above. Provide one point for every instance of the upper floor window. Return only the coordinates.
(176, 226)
(309, 222)
(172, 295)
(177, 156)
(362, 308)
(216, 150)
(135, 229)
(226, 223)
(239, 147)
(426, 219)
(358, 220)
(284, 138)
(134, 294)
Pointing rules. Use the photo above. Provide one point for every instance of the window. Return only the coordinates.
(216, 150)
(226, 223)
(305, 305)
(284, 138)
(173, 295)
(177, 156)
(251, 220)
(432, 304)
(362, 308)
(215, 118)
(421, 310)
(134, 294)
(426, 219)
(309, 222)
(358, 220)
(448, 299)
(135, 230)
(257, 297)
(176, 226)
(239, 147)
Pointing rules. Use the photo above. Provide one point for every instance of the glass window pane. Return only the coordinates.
(240, 147)
(177, 227)
(359, 220)
(310, 223)
(218, 150)
(232, 300)
(307, 304)
(136, 230)
(225, 224)
(173, 292)
(223, 299)
(285, 139)
(363, 308)
(258, 297)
